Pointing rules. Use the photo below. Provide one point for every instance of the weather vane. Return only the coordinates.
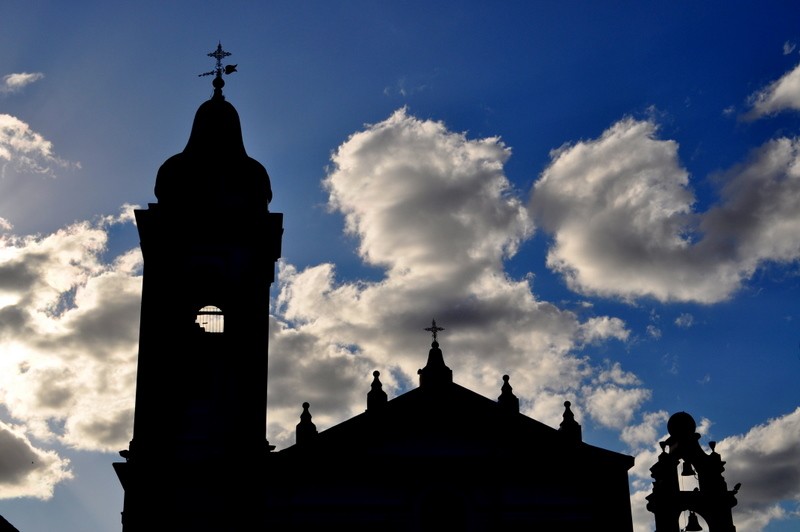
(219, 54)
(433, 329)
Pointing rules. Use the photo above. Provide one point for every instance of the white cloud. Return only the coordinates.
(780, 95)
(435, 211)
(620, 210)
(614, 373)
(395, 180)
(16, 82)
(68, 334)
(603, 328)
(685, 320)
(788, 47)
(645, 433)
(25, 150)
(614, 406)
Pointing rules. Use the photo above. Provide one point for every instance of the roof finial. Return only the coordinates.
(305, 429)
(218, 82)
(433, 329)
(507, 399)
(569, 427)
(435, 371)
(376, 397)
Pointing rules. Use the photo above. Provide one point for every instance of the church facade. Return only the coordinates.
(438, 456)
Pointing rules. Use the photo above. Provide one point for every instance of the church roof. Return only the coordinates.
(442, 418)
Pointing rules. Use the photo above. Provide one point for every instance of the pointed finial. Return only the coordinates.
(433, 329)
(218, 82)
(507, 399)
(376, 397)
(305, 429)
(569, 427)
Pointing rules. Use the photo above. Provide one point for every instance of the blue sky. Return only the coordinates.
(599, 199)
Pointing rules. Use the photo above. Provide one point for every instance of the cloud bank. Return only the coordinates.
(68, 334)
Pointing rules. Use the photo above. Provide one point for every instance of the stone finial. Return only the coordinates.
(507, 400)
(376, 397)
(306, 430)
(570, 428)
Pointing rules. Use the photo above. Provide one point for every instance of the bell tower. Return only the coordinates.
(712, 499)
(209, 245)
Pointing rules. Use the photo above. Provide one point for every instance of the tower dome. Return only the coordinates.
(214, 168)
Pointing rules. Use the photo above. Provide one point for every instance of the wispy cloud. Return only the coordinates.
(25, 150)
(404, 88)
(16, 82)
(685, 320)
(780, 95)
(788, 47)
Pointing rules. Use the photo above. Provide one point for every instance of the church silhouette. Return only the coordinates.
(439, 457)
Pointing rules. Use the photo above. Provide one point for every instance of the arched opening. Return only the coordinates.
(211, 319)
(692, 521)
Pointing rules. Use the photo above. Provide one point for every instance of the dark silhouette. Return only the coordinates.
(416, 463)
(712, 499)
(209, 246)
(199, 459)
(5, 526)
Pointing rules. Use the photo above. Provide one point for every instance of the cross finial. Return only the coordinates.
(433, 329)
(219, 54)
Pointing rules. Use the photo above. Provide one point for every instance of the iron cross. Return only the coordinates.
(433, 329)
(219, 54)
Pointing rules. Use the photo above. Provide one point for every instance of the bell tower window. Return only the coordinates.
(211, 319)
